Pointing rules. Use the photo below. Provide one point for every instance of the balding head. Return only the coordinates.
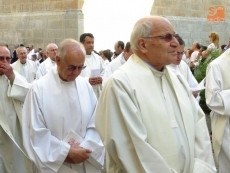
(4, 56)
(51, 50)
(70, 59)
(153, 40)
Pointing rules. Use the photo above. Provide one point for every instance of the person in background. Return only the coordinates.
(14, 54)
(188, 56)
(24, 66)
(154, 124)
(50, 62)
(196, 49)
(95, 65)
(118, 62)
(214, 45)
(179, 67)
(106, 56)
(64, 138)
(118, 47)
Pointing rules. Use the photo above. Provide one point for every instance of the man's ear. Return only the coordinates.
(142, 45)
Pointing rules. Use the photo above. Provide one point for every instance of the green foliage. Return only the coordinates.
(200, 73)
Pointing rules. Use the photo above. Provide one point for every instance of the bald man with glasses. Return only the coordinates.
(13, 90)
(151, 121)
(58, 117)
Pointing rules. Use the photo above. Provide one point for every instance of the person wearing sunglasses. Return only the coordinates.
(13, 90)
(151, 121)
(58, 117)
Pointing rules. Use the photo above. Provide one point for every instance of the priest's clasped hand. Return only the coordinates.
(77, 155)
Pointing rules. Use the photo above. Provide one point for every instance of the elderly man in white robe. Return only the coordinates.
(117, 62)
(180, 67)
(58, 117)
(151, 121)
(95, 65)
(13, 90)
(24, 66)
(50, 62)
(217, 95)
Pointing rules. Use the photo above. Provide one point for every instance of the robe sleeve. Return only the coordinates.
(45, 150)
(119, 123)
(103, 66)
(93, 142)
(203, 156)
(191, 79)
(107, 73)
(217, 99)
(19, 88)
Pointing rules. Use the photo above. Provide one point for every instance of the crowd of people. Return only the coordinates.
(71, 109)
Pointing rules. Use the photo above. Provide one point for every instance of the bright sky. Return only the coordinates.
(113, 20)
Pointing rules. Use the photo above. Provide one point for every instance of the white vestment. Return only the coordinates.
(185, 71)
(94, 63)
(152, 123)
(218, 100)
(12, 154)
(45, 67)
(113, 66)
(28, 70)
(51, 110)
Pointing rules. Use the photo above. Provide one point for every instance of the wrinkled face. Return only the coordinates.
(88, 44)
(160, 47)
(4, 57)
(22, 54)
(72, 65)
(180, 52)
(52, 51)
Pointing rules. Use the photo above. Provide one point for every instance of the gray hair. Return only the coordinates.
(20, 48)
(68, 43)
(142, 28)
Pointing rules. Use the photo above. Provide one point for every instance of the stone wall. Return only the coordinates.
(189, 18)
(40, 21)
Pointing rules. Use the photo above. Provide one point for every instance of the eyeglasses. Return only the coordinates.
(73, 68)
(167, 37)
(2, 58)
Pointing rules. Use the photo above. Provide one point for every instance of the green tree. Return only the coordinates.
(200, 73)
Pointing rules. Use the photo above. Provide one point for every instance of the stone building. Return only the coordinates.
(43, 21)
(39, 21)
(189, 18)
